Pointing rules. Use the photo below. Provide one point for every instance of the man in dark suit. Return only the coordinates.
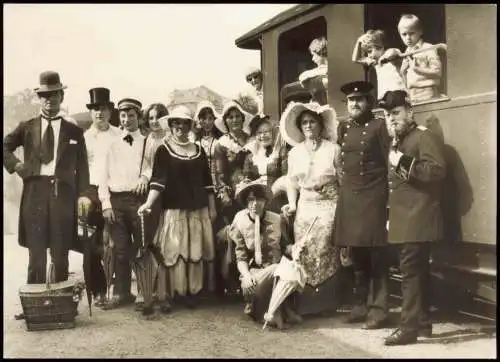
(415, 219)
(55, 173)
(361, 216)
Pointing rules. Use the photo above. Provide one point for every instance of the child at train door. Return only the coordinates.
(370, 51)
(421, 71)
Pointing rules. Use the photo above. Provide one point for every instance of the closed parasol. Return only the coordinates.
(290, 276)
(145, 268)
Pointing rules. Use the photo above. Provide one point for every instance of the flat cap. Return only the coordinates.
(392, 99)
(356, 88)
(127, 103)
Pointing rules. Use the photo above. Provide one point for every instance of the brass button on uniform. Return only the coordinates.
(361, 173)
(361, 153)
(366, 124)
(364, 132)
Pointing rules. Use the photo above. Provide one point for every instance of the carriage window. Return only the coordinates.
(294, 58)
(422, 88)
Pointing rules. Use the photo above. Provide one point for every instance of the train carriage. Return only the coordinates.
(464, 114)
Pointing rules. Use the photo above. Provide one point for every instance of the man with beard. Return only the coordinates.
(98, 138)
(415, 218)
(360, 220)
(55, 176)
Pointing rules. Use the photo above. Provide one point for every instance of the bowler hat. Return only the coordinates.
(49, 82)
(392, 99)
(129, 103)
(99, 97)
(357, 88)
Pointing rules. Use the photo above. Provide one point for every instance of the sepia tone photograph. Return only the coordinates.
(250, 181)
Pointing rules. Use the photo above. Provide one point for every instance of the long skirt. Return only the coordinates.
(186, 241)
(259, 300)
(319, 257)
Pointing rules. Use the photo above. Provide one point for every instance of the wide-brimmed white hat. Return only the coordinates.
(247, 117)
(179, 112)
(203, 105)
(288, 122)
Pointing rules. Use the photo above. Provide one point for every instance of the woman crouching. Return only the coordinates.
(256, 233)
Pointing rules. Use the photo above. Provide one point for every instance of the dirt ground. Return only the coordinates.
(213, 331)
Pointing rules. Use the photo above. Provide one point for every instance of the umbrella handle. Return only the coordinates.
(142, 230)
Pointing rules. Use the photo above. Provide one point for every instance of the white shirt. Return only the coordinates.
(120, 172)
(98, 143)
(50, 168)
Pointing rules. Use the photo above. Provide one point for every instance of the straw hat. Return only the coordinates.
(203, 105)
(288, 122)
(246, 186)
(247, 117)
(179, 112)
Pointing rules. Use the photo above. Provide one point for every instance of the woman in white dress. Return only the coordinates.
(312, 172)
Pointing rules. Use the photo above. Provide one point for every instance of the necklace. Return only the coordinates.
(179, 143)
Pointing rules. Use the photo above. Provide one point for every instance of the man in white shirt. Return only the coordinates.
(122, 190)
(98, 138)
(55, 177)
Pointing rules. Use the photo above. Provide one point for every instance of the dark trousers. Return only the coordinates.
(125, 232)
(371, 279)
(415, 270)
(48, 215)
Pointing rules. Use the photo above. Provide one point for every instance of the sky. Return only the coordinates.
(144, 51)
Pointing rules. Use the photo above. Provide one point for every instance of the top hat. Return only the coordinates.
(393, 99)
(357, 88)
(288, 122)
(129, 103)
(49, 82)
(99, 97)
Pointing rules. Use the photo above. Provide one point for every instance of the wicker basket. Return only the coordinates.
(52, 305)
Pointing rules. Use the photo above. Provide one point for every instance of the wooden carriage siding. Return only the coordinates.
(465, 117)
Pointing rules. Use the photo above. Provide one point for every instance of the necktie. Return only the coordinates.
(257, 246)
(129, 139)
(48, 143)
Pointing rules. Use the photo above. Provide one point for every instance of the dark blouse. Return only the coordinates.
(184, 181)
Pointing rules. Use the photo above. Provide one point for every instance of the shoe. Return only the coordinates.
(399, 338)
(376, 324)
(425, 332)
(355, 318)
(117, 302)
(291, 316)
(19, 316)
(100, 301)
(190, 302)
(147, 311)
(248, 309)
(165, 307)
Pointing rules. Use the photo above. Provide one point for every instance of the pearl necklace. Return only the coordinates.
(182, 144)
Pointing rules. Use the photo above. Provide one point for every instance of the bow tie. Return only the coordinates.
(129, 139)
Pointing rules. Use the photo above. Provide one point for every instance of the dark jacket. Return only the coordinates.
(415, 188)
(71, 160)
(361, 214)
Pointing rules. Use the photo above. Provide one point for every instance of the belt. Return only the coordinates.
(123, 193)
